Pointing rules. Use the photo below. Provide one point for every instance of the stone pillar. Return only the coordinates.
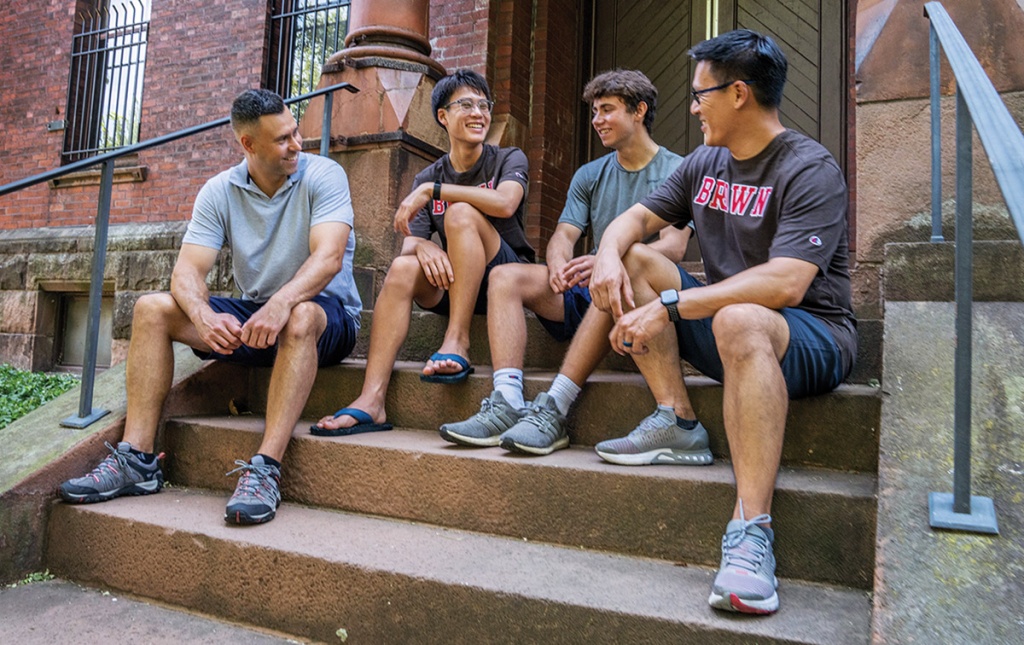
(386, 133)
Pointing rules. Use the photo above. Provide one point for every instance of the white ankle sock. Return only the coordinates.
(564, 392)
(509, 381)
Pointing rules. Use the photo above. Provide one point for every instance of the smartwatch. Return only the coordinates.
(670, 298)
(437, 191)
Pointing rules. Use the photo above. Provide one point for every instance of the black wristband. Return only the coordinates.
(437, 191)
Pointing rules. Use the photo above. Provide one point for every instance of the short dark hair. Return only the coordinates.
(744, 55)
(250, 105)
(449, 84)
(630, 85)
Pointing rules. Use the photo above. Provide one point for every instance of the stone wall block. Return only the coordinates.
(16, 349)
(144, 271)
(12, 271)
(18, 312)
(72, 267)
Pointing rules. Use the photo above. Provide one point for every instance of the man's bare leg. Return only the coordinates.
(651, 273)
(156, 322)
(292, 376)
(404, 283)
(472, 243)
(751, 342)
(510, 288)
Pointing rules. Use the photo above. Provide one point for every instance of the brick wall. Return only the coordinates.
(200, 56)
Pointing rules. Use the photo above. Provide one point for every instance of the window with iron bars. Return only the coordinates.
(108, 60)
(303, 35)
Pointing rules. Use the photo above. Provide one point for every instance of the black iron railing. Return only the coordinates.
(86, 413)
(977, 104)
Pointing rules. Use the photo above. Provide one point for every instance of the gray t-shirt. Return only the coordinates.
(602, 189)
(269, 236)
(788, 201)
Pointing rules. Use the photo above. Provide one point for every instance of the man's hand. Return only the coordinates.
(261, 330)
(435, 264)
(632, 331)
(610, 287)
(411, 205)
(577, 271)
(220, 332)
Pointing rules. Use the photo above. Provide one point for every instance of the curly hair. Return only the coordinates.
(630, 85)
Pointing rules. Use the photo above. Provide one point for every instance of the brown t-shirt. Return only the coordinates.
(494, 166)
(788, 201)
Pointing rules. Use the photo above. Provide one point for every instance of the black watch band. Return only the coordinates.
(437, 191)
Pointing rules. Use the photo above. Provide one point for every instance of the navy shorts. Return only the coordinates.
(335, 343)
(505, 255)
(577, 301)
(812, 363)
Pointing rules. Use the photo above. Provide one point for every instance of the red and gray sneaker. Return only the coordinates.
(257, 494)
(120, 473)
(746, 579)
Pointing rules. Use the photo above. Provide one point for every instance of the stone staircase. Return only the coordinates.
(399, 537)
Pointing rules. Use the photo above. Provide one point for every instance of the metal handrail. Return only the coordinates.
(977, 104)
(86, 413)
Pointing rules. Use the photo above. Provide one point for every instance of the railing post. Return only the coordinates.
(935, 72)
(86, 413)
(325, 130)
(961, 510)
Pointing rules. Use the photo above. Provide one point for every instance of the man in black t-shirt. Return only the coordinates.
(474, 199)
(774, 321)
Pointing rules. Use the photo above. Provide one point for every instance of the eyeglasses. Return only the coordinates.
(467, 105)
(696, 94)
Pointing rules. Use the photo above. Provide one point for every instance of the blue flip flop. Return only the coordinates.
(364, 423)
(456, 377)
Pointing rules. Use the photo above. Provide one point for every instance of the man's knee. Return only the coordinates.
(154, 309)
(461, 216)
(307, 321)
(745, 329)
(509, 281)
(646, 266)
(403, 272)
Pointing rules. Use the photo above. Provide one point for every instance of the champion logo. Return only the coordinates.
(815, 240)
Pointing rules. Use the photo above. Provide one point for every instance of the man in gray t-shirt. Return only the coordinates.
(287, 217)
(623, 104)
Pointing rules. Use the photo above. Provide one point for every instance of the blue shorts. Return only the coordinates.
(505, 255)
(335, 343)
(577, 301)
(812, 363)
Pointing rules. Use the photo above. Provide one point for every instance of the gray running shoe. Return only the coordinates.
(658, 440)
(541, 431)
(120, 473)
(483, 428)
(746, 579)
(257, 494)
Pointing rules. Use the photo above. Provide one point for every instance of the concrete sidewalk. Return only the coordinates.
(57, 612)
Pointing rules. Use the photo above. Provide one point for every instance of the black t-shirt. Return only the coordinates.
(788, 201)
(494, 166)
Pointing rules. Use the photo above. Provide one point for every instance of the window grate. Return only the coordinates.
(108, 58)
(303, 35)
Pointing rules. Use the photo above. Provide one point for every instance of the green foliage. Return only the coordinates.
(21, 392)
(38, 576)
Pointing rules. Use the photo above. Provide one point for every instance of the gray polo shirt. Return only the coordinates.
(269, 235)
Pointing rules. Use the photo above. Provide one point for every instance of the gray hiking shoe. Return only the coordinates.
(120, 473)
(746, 579)
(658, 440)
(483, 428)
(541, 431)
(257, 494)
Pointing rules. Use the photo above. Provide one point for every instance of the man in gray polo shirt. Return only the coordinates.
(287, 217)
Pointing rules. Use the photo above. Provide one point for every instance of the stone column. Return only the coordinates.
(386, 133)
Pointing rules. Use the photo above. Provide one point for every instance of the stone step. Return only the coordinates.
(838, 430)
(426, 331)
(313, 572)
(825, 520)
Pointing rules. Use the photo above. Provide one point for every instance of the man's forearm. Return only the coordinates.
(190, 292)
(312, 277)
